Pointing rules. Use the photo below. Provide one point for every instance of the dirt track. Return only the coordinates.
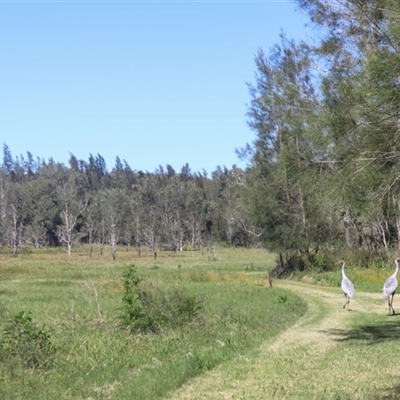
(281, 368)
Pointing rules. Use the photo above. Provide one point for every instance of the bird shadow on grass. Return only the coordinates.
(373, 334)
(388, 393)
(370, 334)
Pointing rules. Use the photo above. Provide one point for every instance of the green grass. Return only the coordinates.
(329, 354)
(78, 298)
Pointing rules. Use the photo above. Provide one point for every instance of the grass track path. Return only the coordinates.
(306, 361)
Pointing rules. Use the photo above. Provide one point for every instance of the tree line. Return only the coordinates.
(46, 203)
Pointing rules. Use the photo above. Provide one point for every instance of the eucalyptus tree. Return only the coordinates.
(116, 214)
(4, 185)
(195, 206)
(13, 200)
(128, 211)
(94, 225)
(41, 211)
(5, 180)
(236, 225)
(73, 198)
(213, 220)
(16, 201)
(148, 211)
(172, 198)
(240, 227)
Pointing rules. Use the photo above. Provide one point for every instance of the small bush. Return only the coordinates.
(152, 309)
(27, 341)
(170, 309)
(131, 313)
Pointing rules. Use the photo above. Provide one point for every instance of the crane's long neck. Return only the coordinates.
(343, 274)
(397, 267)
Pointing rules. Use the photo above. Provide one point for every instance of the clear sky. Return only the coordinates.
(153, 82)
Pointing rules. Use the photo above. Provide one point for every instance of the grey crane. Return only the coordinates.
(390, 286)
(347, 286)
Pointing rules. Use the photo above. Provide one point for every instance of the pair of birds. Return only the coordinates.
(388, 292)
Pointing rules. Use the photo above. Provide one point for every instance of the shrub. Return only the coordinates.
(152, 309)
(27, 341)
(132, 315)
(170, 309)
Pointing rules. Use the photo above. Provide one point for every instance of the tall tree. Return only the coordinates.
(116, 213)
(16, 202)
(360, 53)
(41, 210)
(73, 200)
(289, 146)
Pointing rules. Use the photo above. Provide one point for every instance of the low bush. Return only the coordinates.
(131, 314)
(29, 343)
(147, 308)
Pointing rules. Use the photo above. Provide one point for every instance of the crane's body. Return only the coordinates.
(390, 286)
(347, 287)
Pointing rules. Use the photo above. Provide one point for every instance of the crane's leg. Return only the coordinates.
(391, 304)
(347, 301)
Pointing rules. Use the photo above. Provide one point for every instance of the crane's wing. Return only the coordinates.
(389, 287)
(348, 287)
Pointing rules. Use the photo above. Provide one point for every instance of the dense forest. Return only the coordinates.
(323, 170)
(50, 204)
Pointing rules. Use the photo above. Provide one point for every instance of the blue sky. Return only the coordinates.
(154, 83)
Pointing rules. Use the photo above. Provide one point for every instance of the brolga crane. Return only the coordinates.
(390, 286)
(347, 286)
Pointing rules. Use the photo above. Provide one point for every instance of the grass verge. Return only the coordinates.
(77, 300)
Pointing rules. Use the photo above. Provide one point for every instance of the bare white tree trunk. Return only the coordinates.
(15, 231)
(398, 231)
(66, 233)
(113, 238)
(3, 213)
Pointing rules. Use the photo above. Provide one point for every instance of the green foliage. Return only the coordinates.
(282, 299)
(296, 262)
(170, 309)
(152, 309)
(324, 164)
(132, 315)
(324, 261)
(25, 340)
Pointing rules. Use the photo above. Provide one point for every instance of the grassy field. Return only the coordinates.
(61, 335)
(60, 328)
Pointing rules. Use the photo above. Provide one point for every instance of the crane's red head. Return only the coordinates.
(342, 262)
(397, 259)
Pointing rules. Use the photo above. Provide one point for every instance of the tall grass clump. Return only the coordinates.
(25, 341)
(148, 308)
